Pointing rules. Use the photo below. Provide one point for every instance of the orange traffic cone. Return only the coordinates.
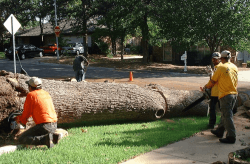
(131, 76)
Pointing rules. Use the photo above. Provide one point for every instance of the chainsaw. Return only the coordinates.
(12, 123)
(206, 95)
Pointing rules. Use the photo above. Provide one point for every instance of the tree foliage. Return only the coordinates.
(21, 9)
(183, 22)
(221, 22)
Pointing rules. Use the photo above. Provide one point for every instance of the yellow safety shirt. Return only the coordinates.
(215, 90)
(226, 76)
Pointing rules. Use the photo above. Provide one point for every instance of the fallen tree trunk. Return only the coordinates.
(100, 101)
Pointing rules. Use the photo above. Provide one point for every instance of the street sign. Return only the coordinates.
(57, 31)
(8, 24)
(12, 25)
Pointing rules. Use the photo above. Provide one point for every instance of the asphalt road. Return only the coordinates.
(34, 67)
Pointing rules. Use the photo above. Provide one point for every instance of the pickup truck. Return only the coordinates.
(73, 48)
(51, 49)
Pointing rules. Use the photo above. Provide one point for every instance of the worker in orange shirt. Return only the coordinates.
(39, 106)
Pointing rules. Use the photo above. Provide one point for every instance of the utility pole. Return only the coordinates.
(57, 52)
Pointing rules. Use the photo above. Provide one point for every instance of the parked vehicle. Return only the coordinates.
(24, 51)
(51, 49)
(73, 48)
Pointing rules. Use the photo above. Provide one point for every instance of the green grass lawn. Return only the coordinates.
(110, 142)
(2, 56)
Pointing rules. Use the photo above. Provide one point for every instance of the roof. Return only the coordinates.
(66, 27)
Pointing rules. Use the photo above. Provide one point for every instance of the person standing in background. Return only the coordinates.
(80, 68)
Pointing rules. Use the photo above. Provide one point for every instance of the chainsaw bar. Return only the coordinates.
(194, 103)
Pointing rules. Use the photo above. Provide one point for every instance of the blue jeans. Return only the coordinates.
(213, 102)
(80, 75)
(226, 105)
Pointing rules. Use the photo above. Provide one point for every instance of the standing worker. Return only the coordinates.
(226, 76)
(214, 91)
(39, 106)
(79, 67)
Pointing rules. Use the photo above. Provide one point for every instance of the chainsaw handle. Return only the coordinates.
(13, 114)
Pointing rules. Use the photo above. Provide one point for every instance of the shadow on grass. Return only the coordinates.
(97, 122)
(155, 137)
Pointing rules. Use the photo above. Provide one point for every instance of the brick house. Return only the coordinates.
(34, 36)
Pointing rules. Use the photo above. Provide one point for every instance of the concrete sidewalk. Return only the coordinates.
(202, 148)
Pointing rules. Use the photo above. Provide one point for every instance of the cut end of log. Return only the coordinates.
(159, 113)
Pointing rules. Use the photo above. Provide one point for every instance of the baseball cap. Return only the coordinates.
(226, 54)
(34, 82)
(216, 55)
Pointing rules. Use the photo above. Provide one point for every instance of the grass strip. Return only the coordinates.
(109, 143)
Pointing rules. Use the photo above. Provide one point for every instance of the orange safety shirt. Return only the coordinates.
(39, 105)
(226, 76)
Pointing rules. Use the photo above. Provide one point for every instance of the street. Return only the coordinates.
(182, 81)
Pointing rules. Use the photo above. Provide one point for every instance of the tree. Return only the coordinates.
(81, 11)
(215, 22)
(116, 17)
(124, 17)
(20, 9)
(143, 10)
(41, 10)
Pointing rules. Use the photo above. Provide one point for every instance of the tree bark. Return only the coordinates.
(79, 101)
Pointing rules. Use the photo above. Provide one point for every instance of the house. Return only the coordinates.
(197, 55)
(34, 36)
(243, 57)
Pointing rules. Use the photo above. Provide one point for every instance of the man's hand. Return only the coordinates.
(209, 70)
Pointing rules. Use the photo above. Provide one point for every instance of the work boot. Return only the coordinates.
(48, 141)
(229, 140)
(217, 133)
(56, 138)
(210, 126)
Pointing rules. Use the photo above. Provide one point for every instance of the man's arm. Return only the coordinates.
(26, 111)
(214, 79)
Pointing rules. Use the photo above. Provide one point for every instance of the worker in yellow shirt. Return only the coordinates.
(226, 76)
(214, 91)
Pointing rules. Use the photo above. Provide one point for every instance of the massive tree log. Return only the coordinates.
(100, 101)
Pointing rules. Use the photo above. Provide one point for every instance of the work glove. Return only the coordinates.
(209, 70)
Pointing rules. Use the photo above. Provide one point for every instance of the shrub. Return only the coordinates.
(191, 56)
(110, 55)
(128, 45)
(206, 60)
(135, 49)
(103, 47)
(248, 64)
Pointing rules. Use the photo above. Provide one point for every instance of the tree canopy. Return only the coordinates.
(182, 22)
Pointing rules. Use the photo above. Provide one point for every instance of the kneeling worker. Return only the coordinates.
(39, 105)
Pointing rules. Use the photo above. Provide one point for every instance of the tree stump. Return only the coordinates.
(239, 156)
